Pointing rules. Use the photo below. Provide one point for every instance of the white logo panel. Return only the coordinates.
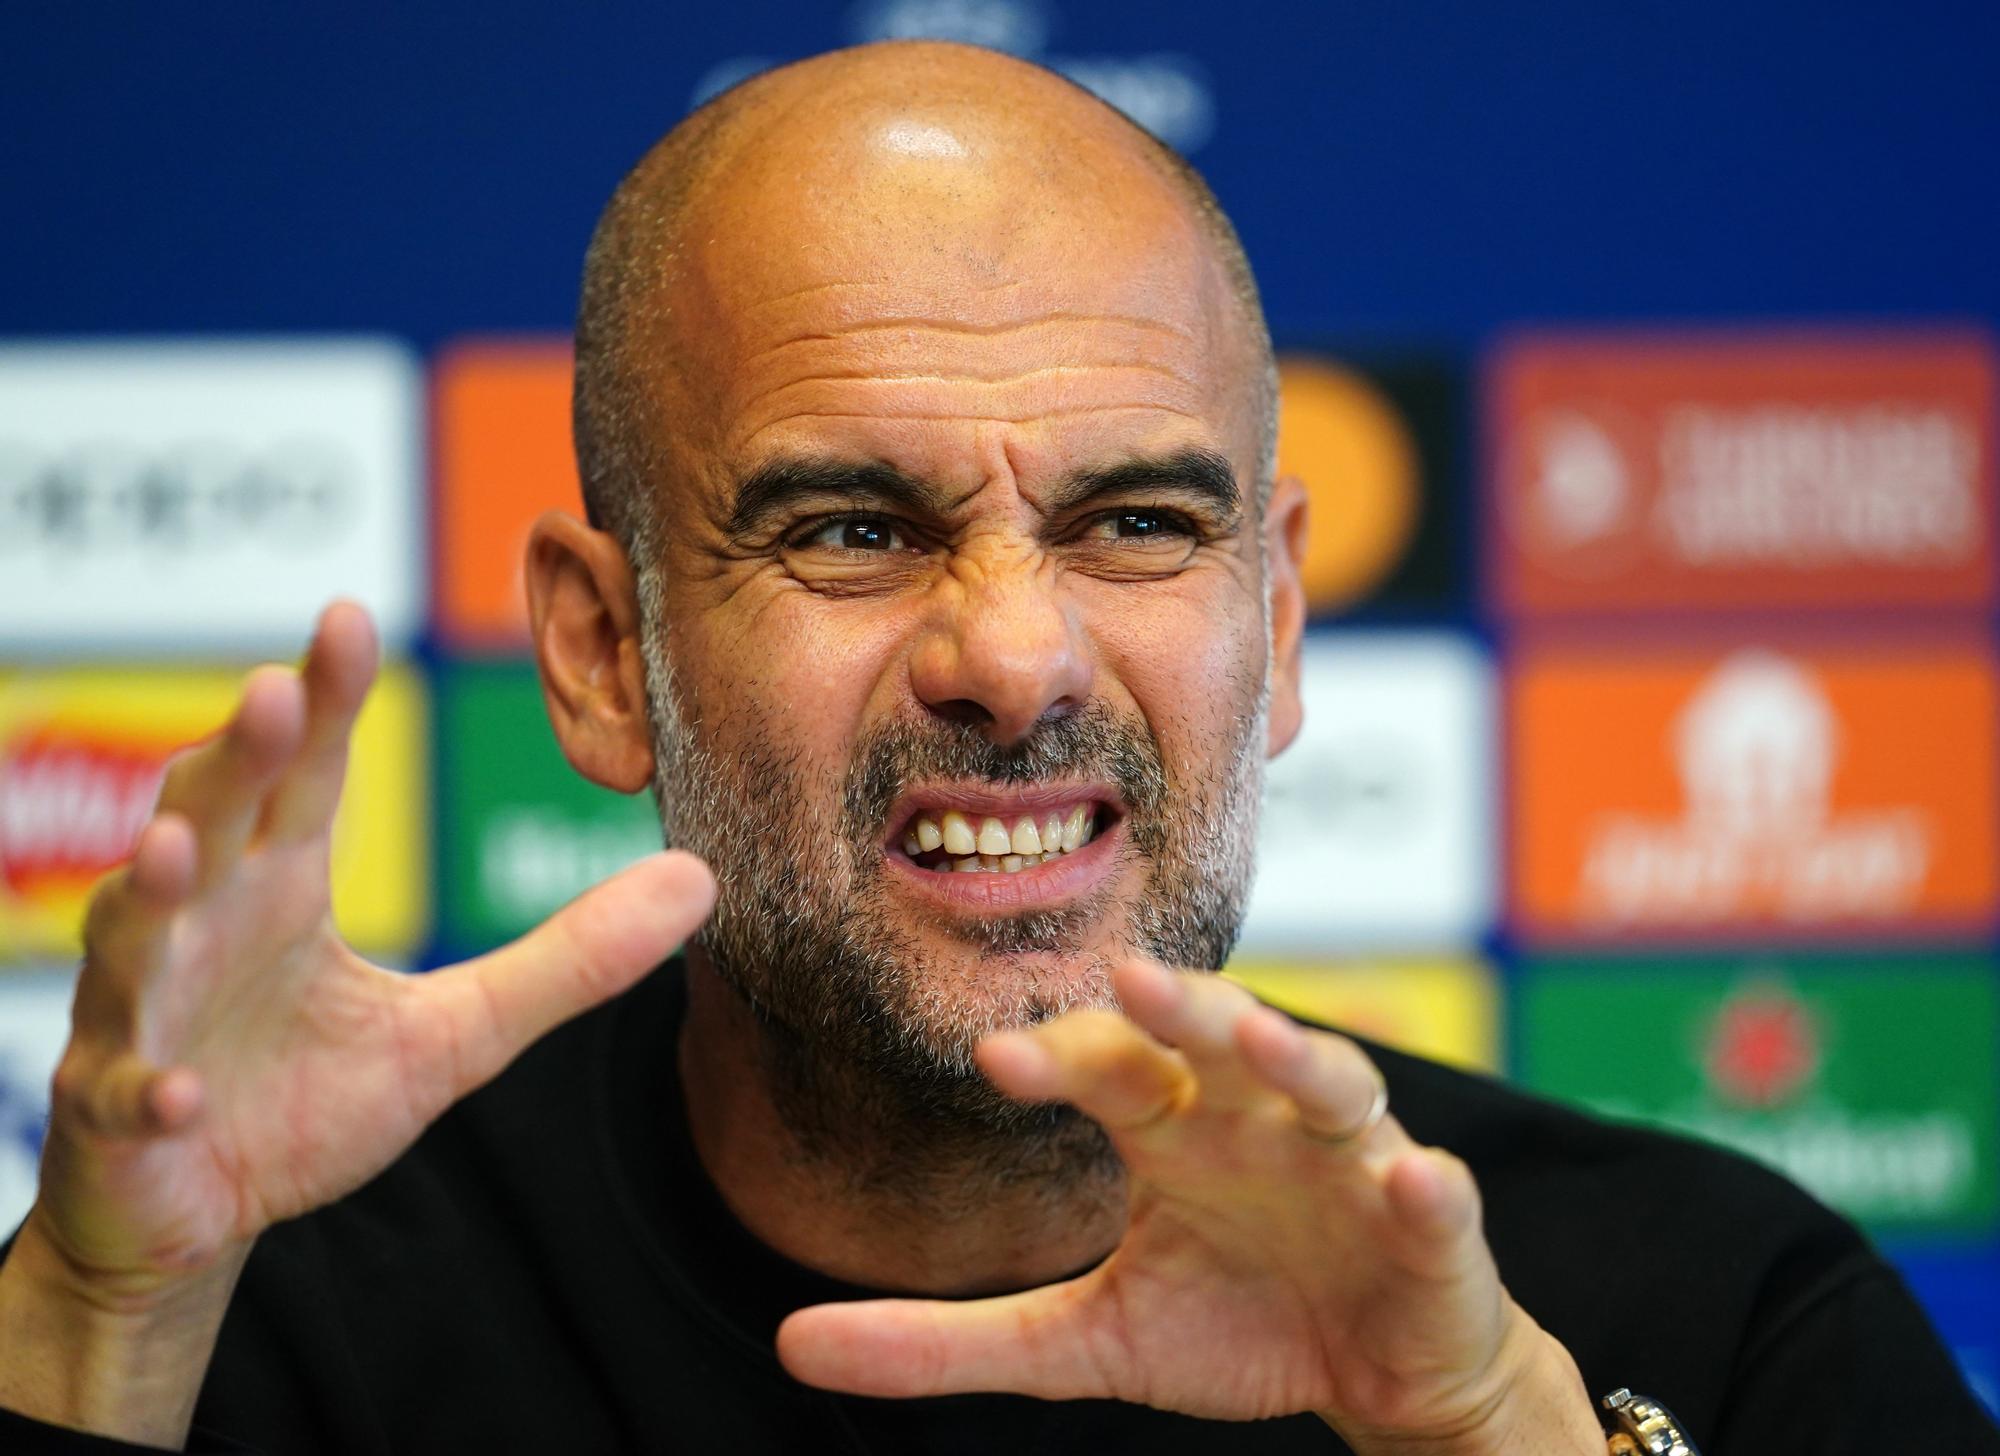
(206, 496)
(1378, 821)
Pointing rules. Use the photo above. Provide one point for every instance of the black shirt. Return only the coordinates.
(549, 1269)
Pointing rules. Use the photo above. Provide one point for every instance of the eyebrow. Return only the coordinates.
(778, 485)
(770, 489)
(1193, 471)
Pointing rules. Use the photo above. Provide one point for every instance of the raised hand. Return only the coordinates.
(232, 1063)
(1288, 1248)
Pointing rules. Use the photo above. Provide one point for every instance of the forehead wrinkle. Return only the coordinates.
(910, 323)
(927, 371)
(877, 376)
(963, 417)
(998, 396)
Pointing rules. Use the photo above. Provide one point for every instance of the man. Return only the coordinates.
(940, 588)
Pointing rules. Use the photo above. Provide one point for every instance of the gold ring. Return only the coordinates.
(1377, 1110)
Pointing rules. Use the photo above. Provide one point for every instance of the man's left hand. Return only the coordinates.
(1285, 1250)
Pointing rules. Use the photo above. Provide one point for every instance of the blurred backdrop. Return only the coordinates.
(1640, 359)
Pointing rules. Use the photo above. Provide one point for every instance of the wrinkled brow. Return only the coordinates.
(1200, 473)
(778, 485)
(771, 488)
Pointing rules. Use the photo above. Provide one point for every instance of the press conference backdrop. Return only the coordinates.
(1640, 360)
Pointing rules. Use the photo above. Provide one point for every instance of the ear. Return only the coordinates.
(583, 608)
(1284, 557)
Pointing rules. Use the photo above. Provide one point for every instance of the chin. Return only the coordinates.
(959, 997)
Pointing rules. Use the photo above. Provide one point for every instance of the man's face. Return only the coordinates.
(967, 570)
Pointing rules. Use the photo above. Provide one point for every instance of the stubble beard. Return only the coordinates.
(866, 1044)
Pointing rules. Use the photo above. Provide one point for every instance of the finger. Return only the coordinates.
(126, 926)
(587, 952)
(1032, 1344)
(219, 787)
(1196, 1014)
(1435, 1202)
(125, 1096)
(1096, 1061)
(338, 669)
(1330, 1080)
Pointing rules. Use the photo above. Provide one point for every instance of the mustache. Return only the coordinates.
(1090, 743)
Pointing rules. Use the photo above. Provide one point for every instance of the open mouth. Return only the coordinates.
(960, 841)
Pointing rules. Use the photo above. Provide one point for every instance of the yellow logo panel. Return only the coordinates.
(1447, 1010)
(81, 755)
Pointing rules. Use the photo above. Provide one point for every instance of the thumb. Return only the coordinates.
(1033, 1343)
(587, 952)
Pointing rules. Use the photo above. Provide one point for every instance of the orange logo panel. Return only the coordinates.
(1753, 788)
(1742, 471)
(502, 457)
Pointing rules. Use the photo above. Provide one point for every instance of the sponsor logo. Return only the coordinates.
(1018, 27)
(1871, 1083)
(1762, 1047)
(1338, 434)
(501, 446)
(1744, 471)
(82, 754)
(1165, 93)
(531, 862)
(296, 495)
(1762, 1054)
(72, 800)
(1764, 788)
(523, 833)
(1447, 1010)
(212, 495)
(1377, 820)
(1755, 752)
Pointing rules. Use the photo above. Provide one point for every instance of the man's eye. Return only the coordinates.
(854, 533)
(1140, 525)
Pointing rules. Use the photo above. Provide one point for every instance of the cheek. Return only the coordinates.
(797, 675)
(1192, 662)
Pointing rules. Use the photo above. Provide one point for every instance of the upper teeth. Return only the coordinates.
(993, 844)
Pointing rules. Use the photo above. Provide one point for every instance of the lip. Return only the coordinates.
(1042, 886)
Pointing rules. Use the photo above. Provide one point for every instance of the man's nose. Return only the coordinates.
(1005, 649)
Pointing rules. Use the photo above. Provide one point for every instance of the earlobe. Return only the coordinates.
(1285, 526)
(583, 611)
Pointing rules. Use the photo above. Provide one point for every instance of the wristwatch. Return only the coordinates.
(1644, 1426)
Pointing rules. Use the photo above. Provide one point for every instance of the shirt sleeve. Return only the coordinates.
(1851, 1368)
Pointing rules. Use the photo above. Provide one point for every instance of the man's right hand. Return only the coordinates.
(233, 1064)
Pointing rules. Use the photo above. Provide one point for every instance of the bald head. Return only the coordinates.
(943, 165)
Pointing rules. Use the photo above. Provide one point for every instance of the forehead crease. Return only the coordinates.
(1013, 373)
(994, 416)
(939, 372)
(1052, 354)
(1107, 335)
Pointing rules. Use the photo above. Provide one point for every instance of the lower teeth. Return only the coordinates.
(996, 864)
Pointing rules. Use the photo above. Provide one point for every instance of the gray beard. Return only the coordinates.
(868, 1058)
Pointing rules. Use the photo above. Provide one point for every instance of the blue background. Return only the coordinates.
(1421, 171)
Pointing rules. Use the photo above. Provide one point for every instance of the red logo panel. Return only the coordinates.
(1746, 471)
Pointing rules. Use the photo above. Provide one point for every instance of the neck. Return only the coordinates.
(864, 1187)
